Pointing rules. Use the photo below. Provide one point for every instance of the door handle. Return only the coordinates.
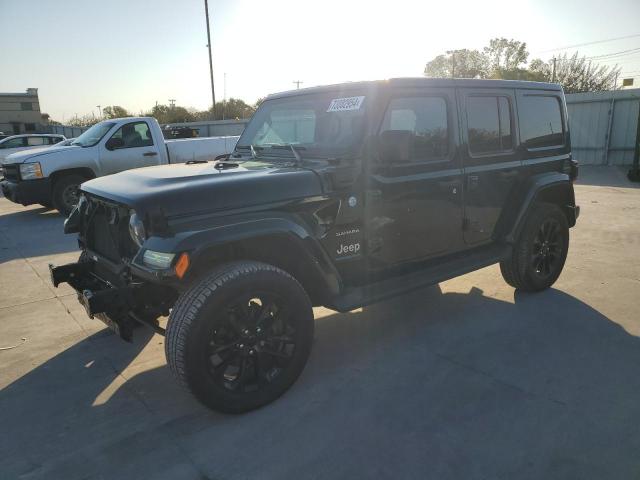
(449, 185)
(150, 154)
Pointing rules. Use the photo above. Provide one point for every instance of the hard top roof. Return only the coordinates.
(421, 82)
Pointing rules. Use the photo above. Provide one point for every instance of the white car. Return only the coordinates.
(17, 143)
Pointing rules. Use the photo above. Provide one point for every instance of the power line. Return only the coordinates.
(622, 53)
(588, 43)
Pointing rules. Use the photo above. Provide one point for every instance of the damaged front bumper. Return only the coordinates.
(116, 306)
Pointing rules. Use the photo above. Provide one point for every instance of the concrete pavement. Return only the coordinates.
(465, 380)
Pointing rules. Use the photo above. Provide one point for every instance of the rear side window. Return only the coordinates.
(540, 121)
(426, 119)
(489, 124)
(35, 141)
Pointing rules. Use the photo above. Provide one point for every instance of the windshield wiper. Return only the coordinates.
(294, 149)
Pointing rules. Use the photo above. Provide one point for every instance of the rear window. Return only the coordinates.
(489, 124)
(35, 141)
(540, 121)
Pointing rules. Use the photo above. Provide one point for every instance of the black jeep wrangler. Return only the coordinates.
(339, 196)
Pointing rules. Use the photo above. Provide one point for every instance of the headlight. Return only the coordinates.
(30, 171)
(159, 260)
(136, 229)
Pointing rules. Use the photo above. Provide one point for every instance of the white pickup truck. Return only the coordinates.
(51, 176)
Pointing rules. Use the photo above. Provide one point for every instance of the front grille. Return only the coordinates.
(11, 172)
(107, 232)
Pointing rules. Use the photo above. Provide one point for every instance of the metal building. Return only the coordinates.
(604, 126)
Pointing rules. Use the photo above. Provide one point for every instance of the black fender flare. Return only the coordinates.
(298, 242)
(554, 187)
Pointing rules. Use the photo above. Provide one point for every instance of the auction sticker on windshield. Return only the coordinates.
(345, 104)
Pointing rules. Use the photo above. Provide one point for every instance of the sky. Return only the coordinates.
(134, 53)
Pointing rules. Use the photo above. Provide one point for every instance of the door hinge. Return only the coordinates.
(372, 195)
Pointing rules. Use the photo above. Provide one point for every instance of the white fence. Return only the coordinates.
(604, 126)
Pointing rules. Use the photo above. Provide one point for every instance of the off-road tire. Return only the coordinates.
(197, 313)
(519, 271)
(60, 194)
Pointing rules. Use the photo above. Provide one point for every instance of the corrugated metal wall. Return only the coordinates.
(603, 126)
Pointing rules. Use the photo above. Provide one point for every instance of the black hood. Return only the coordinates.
(181, 189)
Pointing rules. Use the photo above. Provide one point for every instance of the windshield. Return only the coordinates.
(93, 135)
(317, 125)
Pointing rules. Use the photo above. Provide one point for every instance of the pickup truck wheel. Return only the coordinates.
(239, 338)
(65, 193)
(540, 251)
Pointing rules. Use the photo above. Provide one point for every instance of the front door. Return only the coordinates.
(135, 149)
(492, 166)
(413, 207)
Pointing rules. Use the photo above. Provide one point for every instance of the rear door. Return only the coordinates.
(492, 165)
(137, 149)
(414, 208)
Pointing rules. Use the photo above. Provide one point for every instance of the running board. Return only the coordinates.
(430, 275)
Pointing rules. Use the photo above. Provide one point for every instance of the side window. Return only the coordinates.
(14, 143)
(134, 134)
(540, 121)
(489, 124)
(35, 141)
(426, 120)
(26, 106)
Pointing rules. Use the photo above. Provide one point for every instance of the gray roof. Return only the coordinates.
(423, 82)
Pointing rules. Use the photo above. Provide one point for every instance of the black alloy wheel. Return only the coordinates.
(241, 336)
(252, 343)
(546, 248)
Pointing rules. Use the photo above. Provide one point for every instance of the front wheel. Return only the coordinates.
(540, 251)
(65, 193)
(240, 337)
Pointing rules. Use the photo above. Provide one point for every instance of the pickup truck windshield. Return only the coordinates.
(93, 135)
(317, 125)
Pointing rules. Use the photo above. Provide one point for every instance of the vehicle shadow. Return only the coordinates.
(605, 176)
(33, 232)
(428, 385)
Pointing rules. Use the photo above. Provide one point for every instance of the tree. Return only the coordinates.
(506, 55)
(114, 111)
(577, 74)
(171, 114)
(506, 59)
(234, 108)
(84, 121)
(458, 63)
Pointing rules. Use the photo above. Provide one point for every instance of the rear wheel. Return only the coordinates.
(65, 193)
(540, 251)
(240, 337)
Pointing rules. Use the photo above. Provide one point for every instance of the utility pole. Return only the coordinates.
(213, 94)
(224, 97)
(453, 65)
(553, 72)
(298, 82)
(172, 102)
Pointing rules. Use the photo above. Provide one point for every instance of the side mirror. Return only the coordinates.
(395, 146)
(114, 143)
